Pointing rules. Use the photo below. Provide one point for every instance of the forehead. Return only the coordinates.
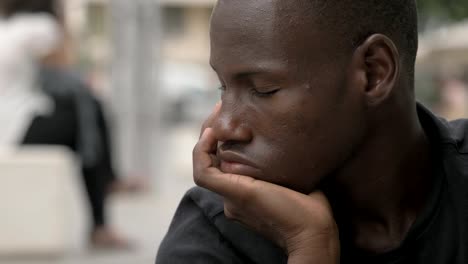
(238, 24)
(264, 32)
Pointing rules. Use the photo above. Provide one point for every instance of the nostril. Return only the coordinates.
(232, 145)
(228, 144)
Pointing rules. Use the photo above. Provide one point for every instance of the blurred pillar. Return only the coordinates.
(136, 30)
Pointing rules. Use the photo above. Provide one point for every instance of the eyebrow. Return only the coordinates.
(250, 72)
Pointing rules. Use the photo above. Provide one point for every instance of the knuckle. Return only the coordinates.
(206, 124)
(198, 172)
(198, 178)
(195, 149)
(203, 127)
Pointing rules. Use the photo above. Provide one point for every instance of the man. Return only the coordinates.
(318, 152)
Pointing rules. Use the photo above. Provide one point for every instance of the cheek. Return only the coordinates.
(301, 159)
(289, 147)
(299, 150)
(294, 163)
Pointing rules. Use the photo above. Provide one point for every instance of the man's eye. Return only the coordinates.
(264, 92)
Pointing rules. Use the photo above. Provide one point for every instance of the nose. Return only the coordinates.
(231, 125)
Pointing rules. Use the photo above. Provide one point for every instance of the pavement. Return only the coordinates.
(143, 217)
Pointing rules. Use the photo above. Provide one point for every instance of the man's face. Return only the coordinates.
(289, 115)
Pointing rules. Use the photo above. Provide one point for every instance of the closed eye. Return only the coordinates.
(259, 92)
(264, 92)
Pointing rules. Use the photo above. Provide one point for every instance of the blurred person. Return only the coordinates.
(52, 106)
(23, 40)
(318, 151)
(78, 122)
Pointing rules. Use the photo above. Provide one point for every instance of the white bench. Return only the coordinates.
(38, 196)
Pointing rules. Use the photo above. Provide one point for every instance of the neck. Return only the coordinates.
(383, 189)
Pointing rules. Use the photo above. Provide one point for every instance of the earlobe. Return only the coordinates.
(381, 63)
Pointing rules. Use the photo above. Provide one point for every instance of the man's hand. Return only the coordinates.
(303, 225)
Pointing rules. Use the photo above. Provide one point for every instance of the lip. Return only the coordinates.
(234, 163)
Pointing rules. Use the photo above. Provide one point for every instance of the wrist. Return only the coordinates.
(323, 249)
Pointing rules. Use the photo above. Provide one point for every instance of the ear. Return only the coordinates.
(378, 60)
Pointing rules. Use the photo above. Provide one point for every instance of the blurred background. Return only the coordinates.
(142, 66)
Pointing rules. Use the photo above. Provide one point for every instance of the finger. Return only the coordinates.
(205, 172)
(242, 189)
(215, 162)
(207, 175)
(209, 121)
(239, 188)
(230, 186)
(204, 150)
(320, 199)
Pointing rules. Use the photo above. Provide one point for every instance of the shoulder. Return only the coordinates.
(455, 155)
(210, 203)
(61, 82)
(201, 233)
(192, 236)
(459, 133)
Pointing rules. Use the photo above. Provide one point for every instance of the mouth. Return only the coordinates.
(234, 163)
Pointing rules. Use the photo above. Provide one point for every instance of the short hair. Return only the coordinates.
(356, 20)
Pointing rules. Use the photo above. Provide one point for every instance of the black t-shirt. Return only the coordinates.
(200, 233)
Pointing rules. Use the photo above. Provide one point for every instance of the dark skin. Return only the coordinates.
(311, 138)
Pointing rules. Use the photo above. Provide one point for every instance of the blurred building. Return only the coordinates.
(442, 69)
(88, 23)
(148, 59)
(117, 48)
(445, 48)
(186, 30)
(184, 36)
(188, 82)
